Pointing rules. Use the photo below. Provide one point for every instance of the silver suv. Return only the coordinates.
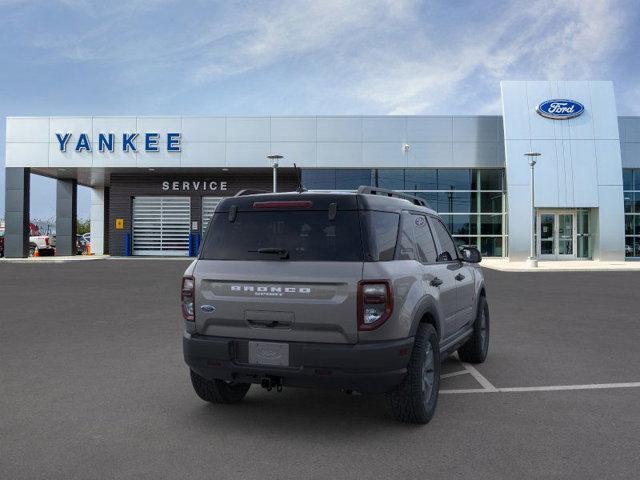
(363, 292)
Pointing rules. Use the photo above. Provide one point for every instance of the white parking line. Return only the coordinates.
(486, 384)
(454, 374)
(550, 388)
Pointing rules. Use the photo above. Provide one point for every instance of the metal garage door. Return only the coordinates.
(209, 205)
(161, 225)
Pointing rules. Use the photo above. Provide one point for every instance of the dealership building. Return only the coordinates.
(155, 181)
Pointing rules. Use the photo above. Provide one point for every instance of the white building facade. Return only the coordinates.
(156, 180)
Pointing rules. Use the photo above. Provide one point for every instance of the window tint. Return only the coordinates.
(383, 228)
(406, 244)
(447, 250)
(424, 241)
(305, 235)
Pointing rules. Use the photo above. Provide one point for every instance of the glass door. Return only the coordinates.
(566, 231)
(546, 227)
(557, 235)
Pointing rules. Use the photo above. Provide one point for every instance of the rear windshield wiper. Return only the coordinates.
(283, 252)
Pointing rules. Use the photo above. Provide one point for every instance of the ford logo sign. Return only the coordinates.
(560, 109)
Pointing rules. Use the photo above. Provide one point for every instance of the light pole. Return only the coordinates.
(532, 261)
(274, 163)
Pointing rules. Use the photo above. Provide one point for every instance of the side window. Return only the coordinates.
(406, 244)
(424, 241)
(384, 232)
(447, 250)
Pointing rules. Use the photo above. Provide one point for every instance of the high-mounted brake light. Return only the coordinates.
(284, 204)
(187, 298)
(375, 303)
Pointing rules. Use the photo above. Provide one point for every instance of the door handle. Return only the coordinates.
(436, 282)
(459, 277)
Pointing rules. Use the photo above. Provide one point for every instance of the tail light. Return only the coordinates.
(375, 303)
(187, 298)
(46, 241)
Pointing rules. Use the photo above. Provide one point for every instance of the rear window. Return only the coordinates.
(305, 236)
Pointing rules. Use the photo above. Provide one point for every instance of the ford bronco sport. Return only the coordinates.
(363, 292)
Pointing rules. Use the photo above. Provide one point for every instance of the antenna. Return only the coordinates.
(300, 188)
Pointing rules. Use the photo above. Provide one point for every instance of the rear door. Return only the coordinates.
(438, 277)
(463, 275)
(280, 274)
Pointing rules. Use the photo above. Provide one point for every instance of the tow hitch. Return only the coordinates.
(269, 383)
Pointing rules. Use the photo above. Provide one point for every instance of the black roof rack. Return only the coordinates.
(392, 193)
(249, 191)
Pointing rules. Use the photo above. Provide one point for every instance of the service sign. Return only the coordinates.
(560, 109)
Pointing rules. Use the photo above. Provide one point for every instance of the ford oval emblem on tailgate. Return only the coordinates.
(208, 308)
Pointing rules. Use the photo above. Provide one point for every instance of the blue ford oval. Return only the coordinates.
(560, 109)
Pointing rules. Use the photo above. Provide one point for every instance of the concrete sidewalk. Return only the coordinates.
(504, 265)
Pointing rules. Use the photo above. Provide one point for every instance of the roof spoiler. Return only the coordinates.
(248, 191)
(365, 190)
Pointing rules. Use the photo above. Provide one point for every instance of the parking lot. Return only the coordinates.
(92, 385)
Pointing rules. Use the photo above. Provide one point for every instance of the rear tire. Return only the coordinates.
(415, 399)
(476, 348)
(218, 391)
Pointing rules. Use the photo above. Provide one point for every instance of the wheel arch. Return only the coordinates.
(427, 312)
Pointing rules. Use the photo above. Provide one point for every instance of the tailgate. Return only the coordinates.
(278, 300)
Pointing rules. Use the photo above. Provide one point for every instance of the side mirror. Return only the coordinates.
(470, 254)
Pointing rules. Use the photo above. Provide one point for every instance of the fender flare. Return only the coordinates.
(426, 306)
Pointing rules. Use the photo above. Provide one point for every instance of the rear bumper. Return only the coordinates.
(374, 367)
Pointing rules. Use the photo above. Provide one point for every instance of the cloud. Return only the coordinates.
(390, 56)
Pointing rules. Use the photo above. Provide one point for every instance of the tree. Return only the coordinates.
(84, 226)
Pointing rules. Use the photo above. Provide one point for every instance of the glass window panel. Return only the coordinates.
(352, 178)
(454, 179)
(391, 178)
(457, 202)
(430, 197)
(490, 224)
(636, 178)
(629, 221)
(637, 225)
(465, 241)
(627, 178)
(491, 179)
(629, 247)
(636, 202)
(628, 202)
(319, 179)
(461, 224)
(447, 250)
(406, 244)
(491, 202)
(491, 246)
(424, 240)
(420, 179)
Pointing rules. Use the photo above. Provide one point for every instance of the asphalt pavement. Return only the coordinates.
(92, 385)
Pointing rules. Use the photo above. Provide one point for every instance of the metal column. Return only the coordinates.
(17, 192)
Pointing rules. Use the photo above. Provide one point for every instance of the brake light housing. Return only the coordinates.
(283, 204)
(187, 298)
(375, 303)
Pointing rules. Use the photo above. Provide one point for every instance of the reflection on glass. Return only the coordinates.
(390, 178)
(491, 179)
(421, 179)
(319, 179)
(461, 224)
(457, 202)
(352, 178)
(546, 233)
(491, 246)
(454, 179)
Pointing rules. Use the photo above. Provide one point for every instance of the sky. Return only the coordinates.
(148, 57)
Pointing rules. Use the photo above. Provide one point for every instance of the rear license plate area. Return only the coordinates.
(269, 353)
